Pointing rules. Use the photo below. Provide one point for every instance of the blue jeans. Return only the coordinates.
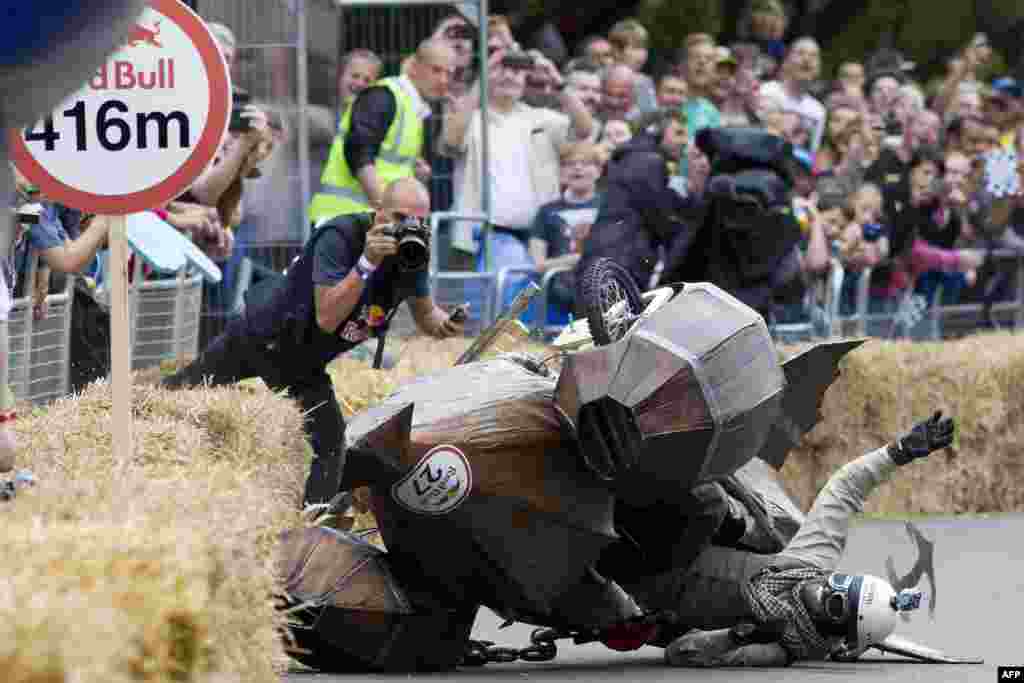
(952, 284)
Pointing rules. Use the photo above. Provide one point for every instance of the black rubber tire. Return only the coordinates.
(599, 274)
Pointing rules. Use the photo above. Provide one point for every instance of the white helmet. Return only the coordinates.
(869, 607)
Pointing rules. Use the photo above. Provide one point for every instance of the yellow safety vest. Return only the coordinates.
(341, 192)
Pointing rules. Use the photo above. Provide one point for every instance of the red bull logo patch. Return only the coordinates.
(376, 317)
(438, 484)
(141, 35)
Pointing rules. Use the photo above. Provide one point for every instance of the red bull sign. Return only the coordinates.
(142, 128)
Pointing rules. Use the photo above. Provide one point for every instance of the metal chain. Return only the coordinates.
(542, 648)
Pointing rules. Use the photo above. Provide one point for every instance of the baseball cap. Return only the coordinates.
(1008, 86)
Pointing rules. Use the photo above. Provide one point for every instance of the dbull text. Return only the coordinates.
(125, 75)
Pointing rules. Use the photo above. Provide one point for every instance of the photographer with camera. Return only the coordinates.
(352, 275)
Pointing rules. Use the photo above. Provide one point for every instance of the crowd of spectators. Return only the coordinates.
(912, 182)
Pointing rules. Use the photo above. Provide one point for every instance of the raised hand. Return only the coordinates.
(925, 438)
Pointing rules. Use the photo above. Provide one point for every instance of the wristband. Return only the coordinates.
(364, 264)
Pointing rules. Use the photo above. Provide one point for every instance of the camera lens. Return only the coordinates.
(413, 253)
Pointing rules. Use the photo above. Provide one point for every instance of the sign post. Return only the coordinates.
(132, 138)
(122, 425)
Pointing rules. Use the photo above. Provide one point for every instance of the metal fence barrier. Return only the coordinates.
(39, 358)
(164, 320)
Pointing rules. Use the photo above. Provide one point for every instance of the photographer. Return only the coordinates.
(353, 273)
(640, 211)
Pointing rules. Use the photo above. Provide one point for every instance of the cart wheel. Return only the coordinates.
(611, 300)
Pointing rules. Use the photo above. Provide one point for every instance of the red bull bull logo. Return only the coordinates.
(124, 75)
(141, 35)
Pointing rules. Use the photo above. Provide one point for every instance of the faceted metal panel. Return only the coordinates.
(743, 372)
(700, 318)
(741, 438)
(646, 365)
(678, 405)
(668, 465)
(587, 375)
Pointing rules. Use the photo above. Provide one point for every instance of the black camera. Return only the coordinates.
(413, 243)
(518, 60)
(893, 128)
(460, 32)
(29, 214)
(239, 100)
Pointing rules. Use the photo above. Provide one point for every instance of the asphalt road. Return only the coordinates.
(979, 594)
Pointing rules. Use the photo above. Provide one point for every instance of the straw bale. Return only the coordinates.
(887, 387)
(157, 569)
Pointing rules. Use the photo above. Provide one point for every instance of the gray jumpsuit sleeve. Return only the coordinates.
(821, 540)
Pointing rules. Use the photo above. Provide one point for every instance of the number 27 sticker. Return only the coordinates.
(440, 482)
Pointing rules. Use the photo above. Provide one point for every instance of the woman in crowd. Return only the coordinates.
(912, 252)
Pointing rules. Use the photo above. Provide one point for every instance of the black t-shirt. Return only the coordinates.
(945, 235)
(334, 257)
(893, 177)
(372, 113)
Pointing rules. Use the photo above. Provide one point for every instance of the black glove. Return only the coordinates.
(748, 634)
(926, 437)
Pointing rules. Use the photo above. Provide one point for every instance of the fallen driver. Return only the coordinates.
(774, 609)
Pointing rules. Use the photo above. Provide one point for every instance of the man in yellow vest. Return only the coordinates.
(381, 135)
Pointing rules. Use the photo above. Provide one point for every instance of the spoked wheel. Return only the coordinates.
(611, 300)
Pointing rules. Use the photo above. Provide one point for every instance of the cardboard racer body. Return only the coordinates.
(497, 484)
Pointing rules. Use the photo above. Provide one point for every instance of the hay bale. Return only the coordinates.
(886, 387)
(159, 569)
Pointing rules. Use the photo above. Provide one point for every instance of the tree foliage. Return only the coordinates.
(670, 21)
(928, 31)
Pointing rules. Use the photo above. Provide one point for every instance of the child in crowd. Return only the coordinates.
(915, 237)
(863, 242)
(561, 226)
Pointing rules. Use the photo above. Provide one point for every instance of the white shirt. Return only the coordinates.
(420, 104)
(513, 201)
(534, 132)
(810, 110)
